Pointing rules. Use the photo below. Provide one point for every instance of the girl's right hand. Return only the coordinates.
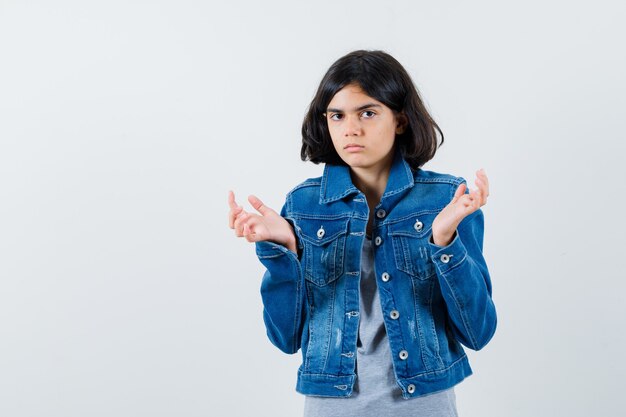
(267, 225)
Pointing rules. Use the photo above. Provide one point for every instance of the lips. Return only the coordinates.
(353, 146)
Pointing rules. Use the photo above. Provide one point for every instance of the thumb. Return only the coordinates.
(459, 192)
(259, 206)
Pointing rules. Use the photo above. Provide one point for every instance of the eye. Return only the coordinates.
(336, 116)
(368, 114)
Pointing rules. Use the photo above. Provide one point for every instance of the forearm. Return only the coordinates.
(283, 293)
(466, 285)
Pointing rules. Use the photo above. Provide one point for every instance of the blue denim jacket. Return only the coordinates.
(433, 298)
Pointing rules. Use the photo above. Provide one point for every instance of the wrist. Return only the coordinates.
(443, 238)
(291, 244)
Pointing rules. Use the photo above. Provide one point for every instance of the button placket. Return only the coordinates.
(394, 314)
(381, 213)
(403, 355)
(378, 241)
(385, 277)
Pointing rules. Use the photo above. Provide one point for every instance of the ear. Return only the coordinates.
(401, 123)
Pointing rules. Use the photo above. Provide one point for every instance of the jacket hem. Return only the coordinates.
(323, 385)
(436, 381)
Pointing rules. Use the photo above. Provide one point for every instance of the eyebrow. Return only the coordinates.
(363, 107)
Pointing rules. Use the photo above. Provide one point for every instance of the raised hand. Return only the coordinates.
(461, 206)
(267, 225)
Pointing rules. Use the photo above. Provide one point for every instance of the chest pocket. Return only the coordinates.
(410, 245)
(324, 249)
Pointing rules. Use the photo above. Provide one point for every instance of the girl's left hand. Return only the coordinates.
(461, 206)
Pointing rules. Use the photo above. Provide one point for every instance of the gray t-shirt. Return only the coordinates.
(376, 392)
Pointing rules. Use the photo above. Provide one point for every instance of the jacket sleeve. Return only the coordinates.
(465, 283)
(282, 293)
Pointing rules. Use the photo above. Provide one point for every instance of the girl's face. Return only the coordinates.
(363, 129)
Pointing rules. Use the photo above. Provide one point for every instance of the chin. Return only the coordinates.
(355, 161)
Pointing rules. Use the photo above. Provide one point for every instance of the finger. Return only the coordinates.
(240, 221)
(232, 215)
(248, 234)
(483, 189)
(460, 190)
(477, 199)
(231, 199)
(483, 182)
(251, 232)
(259, 206)
(483, 177)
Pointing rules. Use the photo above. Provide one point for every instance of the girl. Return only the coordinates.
(375, 269)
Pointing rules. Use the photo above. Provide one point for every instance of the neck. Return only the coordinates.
(372, 181)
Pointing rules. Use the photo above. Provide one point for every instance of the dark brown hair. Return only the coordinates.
(383, 78)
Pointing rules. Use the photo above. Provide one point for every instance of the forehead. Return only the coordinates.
(351, 97)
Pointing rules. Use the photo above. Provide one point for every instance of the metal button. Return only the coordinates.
(378, 240)
(403, 354)
(394, 314)
(385, 277)
(411, 388)
(445, 258)
(381, 213)
(418, 225)
(321, 232)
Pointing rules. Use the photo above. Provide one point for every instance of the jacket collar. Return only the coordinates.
(337, 183)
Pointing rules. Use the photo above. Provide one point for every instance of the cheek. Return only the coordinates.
(387, 135)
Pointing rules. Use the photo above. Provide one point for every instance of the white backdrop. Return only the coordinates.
(123, 124)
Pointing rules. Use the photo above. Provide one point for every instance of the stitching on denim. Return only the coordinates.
(407, 264)
(270, 256)
(336, 197)
(356, 273)
(390, 222)
(420, 330)
(461, 309)
(325, 376)
(311, 182)
(316, 241)
(346, 215)
(432, 323)
(441, 180)
(324, 182)
(410, 176)
(329, 323)
(307, 355)
(437, 371)
(297, 316)
(307, 216)
(394, 192)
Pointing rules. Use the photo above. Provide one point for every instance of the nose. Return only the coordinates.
(352, 126)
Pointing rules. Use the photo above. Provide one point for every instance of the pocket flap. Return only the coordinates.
(320, 232)
(417, 226)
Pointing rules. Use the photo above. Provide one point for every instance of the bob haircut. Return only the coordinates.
(383, 78)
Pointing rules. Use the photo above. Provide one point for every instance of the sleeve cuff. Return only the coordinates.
(265, 249)
(447, 257)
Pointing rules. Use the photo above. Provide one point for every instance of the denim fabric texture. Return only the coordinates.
(434, 298)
